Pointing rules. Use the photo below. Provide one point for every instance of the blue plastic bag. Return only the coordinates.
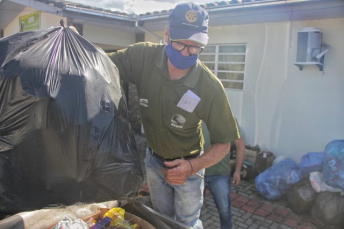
(276, 180)
(333, 164)
(311, 162)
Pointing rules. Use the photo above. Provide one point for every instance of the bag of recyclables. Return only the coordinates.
(64, 130)
(277, 179)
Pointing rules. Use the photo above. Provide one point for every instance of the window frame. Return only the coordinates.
(216, 63)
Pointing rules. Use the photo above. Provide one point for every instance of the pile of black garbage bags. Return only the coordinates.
(315, 186)
(64, 130)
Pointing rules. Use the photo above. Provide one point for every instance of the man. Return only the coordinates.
(176, 91)
(218, 180)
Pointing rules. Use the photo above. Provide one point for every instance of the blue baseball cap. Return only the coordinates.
(189, 21)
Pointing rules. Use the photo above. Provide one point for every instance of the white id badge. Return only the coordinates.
(189, 101)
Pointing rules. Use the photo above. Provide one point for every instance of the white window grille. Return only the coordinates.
(227, 62)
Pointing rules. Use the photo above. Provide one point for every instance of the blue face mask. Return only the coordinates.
(178, 60)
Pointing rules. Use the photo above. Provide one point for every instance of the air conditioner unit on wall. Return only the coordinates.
(310, 48)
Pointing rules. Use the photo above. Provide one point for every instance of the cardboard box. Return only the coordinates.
(250, 157)
(264, 160)
(127, 216)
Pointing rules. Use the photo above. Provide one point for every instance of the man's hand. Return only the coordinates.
(240, 155)
(178, 172)
(236, 178)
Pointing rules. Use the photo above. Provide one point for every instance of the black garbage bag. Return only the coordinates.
(328, 210)
(64, 131)
(301, 197)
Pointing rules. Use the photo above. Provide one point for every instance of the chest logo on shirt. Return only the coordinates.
(144, 102)
(178, 121)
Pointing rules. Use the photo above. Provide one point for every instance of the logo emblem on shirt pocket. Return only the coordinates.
(178, 121)
(144, 102)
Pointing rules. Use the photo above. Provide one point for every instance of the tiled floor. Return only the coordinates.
(251, 211)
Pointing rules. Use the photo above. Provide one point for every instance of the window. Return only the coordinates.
(227, 62)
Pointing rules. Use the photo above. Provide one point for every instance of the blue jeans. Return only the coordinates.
(220, 188)
(180, 202)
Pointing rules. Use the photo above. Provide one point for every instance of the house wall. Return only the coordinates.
(282, 109)
(105, 36)
(151, 38)
(93, 34)
(47, 20)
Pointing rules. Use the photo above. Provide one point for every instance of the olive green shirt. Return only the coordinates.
(170, 130)
(222, 168)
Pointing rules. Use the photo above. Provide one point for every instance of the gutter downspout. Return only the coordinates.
(143, 29)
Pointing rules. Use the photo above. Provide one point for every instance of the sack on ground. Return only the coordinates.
(328, 210)
(301, 197)
(65, 135)
(333, 164)
(311, 162)
(274, 181)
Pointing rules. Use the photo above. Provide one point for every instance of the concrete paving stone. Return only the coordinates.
(241, 220)
(262, 227)
(234, 195)
(207, 223)
(215, 219)
(255, 195)
(237, 227)
(246, 215)
(204, 210)
(257, 217)
(235, 218)
(237, 213)
(242, 211)
(249, 208)
(248, 221)
(306, 226)
(262, 212)
(212, 209)
(253, 226)
(282, 212)
(262, 223)
(254, 203)
(290, 222)
(259, 223)
(285, 227)
(275, 217)
(242, 193)
(247, 188)
(242, 198)
(216, 225)
(206, 216)
(274, 225)
(293, 216)
(241, 224)
(268, 221)
(268, 207)
(211, 203)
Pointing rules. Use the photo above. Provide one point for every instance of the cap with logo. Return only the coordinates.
(189, 21)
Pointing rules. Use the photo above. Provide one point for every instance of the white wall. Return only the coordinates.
(93, 34)
(46, 21)
(160, 35)
(282, 109)
(108, 36)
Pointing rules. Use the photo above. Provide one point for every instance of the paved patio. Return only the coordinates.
(249, 209)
